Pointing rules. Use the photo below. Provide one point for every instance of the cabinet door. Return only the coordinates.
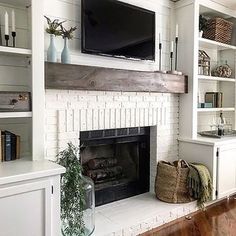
(25, 209)
(226, 171)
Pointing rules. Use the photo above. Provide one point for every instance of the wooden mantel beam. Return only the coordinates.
(78, 77)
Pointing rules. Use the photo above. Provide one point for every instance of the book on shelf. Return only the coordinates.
(10, 146)
(215, 98)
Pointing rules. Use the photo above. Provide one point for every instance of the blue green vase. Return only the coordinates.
(65, 55)
(52, 51)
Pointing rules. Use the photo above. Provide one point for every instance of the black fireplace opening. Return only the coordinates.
(118, 161)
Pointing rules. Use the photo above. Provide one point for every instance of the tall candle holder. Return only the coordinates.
(160, 56)
(7, 39)
(176, 52)
(14, 38)
(171, 61)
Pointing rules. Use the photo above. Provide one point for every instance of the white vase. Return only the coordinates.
(65, 55)
(52, 51)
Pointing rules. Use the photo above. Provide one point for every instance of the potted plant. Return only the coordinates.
(53, 30)
(202, 25)
(77, 195)
(66, 34)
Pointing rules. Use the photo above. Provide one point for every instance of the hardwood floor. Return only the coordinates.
(217, 220)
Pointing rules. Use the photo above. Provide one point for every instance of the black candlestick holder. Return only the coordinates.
(160, 56)
(7, 39)
(14, 38)
(176, 52)
(171, 61)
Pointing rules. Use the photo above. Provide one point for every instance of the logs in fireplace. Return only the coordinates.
(118, 161)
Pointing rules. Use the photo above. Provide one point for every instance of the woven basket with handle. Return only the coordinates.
(171, 182)
(219, 30)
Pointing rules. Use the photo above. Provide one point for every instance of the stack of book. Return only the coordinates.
(214, 98)
(10, 146)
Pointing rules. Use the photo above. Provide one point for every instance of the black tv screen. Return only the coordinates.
(113, 28)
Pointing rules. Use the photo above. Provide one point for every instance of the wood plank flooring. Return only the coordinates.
(217, 220)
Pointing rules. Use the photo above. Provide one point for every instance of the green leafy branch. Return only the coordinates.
(53, 26)
(72, 192)
(67, 33)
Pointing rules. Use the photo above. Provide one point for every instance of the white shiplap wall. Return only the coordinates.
(68, 112)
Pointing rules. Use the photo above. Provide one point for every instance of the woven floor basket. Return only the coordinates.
(171, 182)
(219, 30)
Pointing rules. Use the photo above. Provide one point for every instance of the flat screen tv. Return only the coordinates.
(117, 29)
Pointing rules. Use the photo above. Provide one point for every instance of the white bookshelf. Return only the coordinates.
(22, 69)
(222, 109)
(213, 78)
(15, 51)
(192, 118)
(210, 44)
(4, 115)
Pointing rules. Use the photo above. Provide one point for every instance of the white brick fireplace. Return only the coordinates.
(69, 112)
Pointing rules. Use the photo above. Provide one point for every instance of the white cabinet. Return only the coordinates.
(220, 158)
(226, 183)
(30, 199)
(26, 209)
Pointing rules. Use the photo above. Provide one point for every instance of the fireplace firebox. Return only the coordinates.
(118, 161)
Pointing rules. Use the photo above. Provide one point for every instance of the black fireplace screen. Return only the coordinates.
(118, 161)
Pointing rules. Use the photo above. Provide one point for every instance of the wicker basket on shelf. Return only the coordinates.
(219, 30)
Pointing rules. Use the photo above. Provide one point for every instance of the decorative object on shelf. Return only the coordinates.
(204, 63)
(160, 53)
(202, 25)
(7, 29)
(13, 33)
(219, 30)
(77, 195)
(215, 98)
(171, 57)
(53, 30)
(174, 70)
(205, 105)
(0, 32)
(176, 46)
(15, 101)
(9, 146)
(66, 35)
(222, 71)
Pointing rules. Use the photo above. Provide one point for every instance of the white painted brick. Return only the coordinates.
(101, 120)
(97, 105)
(129, 104)
(105, 98)
(143, 104)
(123, 118)
(121, 98)
(113, 105)
(77, 105)
(136, 98)
(149, 98)
(87, 98)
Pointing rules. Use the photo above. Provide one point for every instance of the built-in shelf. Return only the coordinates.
(15, 51)
(210, 44)
(15, 115)
(213, 78)
(16, 3)
(216, 109)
